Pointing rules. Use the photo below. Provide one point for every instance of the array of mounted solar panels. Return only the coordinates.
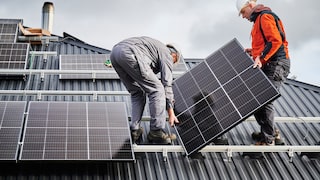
(218, 94)
(95, 62)
(65, 131)
(12, 55)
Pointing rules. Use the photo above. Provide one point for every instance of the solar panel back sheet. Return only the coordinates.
(217, 94)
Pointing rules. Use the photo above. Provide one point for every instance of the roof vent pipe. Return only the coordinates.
(47, 16)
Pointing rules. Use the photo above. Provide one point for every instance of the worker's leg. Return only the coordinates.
(124, 64)
(265, 115)
(151, 84)
(265, 118)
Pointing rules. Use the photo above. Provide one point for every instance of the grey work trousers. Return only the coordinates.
(277, 72)
(140, 81)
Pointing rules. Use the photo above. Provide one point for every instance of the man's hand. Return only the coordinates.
(172, 120)
(257, 62)
(248, 50)
(172, 117)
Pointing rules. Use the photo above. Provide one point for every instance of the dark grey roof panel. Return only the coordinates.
(213, 166)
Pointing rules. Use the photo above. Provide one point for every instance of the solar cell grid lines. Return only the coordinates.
(9, 30)
(13, 55)
(84, 62)
(217, 94)
(11, 120)
(96, 62)
(8, 33)
(77, 131)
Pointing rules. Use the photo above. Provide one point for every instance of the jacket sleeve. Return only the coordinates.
(272, 35)
(166, 66)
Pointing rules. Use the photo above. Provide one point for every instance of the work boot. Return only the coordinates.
(160, 137)
(136, 134)
(257, 136)
(278, 139)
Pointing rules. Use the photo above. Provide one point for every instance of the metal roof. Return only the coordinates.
(299, 101)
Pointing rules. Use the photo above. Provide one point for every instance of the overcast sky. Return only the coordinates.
(200, 27)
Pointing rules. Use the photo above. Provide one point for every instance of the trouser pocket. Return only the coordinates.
(278, 70)
(282, 70)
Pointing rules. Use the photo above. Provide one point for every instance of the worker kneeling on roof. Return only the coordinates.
(137, 60)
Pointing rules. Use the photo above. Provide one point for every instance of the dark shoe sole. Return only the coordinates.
(158, 140)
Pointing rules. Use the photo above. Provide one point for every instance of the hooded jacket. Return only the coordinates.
(274, 46)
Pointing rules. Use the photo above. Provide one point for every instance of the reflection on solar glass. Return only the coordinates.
(218, 94)
(11, 119)
(13, 55)
(77, 131)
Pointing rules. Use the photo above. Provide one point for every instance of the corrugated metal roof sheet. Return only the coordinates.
(298, 100)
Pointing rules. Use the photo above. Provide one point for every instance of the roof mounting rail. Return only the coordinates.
(38, 39)
(44, 53)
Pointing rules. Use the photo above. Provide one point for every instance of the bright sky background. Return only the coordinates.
(200, 27)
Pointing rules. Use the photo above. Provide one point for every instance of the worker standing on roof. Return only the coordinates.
(137, 60)
(270, 53)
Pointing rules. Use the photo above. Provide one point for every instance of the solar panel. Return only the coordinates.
(11, 119)
(77, 131)
(8, 33)
(13, 55)
(217, 94)
(85, 62)
(95, 62)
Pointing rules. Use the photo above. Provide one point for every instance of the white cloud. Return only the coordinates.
(305, 64)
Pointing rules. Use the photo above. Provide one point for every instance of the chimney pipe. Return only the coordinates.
(47, 16)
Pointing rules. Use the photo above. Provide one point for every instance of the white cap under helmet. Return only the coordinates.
(241, 3)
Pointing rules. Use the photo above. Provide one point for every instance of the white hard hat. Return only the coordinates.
(241, 3)
(176, 48)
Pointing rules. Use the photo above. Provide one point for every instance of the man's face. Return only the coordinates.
(246, 12)
(175, 57)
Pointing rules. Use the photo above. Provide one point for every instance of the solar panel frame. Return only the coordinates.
(77, 131)
(217, 94)
(11, 122)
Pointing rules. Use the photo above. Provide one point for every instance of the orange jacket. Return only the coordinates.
(272, 35)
